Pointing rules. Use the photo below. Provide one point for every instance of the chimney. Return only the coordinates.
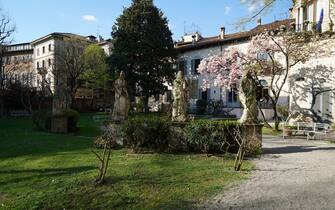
(259, 21)
(223, 32)
(194, 39)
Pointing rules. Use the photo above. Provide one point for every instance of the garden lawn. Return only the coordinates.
(46, 171)
(271, 132)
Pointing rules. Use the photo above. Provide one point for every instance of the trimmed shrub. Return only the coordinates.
(209, 136)
(146, 133)
(157, 134)
(42, 120)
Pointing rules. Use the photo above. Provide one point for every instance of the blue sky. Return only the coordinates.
(36, 18)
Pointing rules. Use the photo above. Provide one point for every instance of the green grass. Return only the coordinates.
(271, 132)
(46, 171)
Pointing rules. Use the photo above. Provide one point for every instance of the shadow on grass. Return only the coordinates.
(18, 138)
(41, 173)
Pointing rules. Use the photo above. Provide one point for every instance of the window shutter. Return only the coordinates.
(193, 66)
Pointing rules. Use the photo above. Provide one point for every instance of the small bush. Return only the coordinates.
(42, 120)
(208, 136)
(106, 140)
(146, 133)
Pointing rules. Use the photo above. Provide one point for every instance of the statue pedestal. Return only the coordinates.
(59, 125)
(253, 137)
(177, 141)
(116, 128)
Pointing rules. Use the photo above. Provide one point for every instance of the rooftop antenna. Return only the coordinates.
(98, 30)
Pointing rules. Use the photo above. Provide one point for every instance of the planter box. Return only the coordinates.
(253, 135)
(116, 127)
(287, 131)
(59, 125)
(177, 142)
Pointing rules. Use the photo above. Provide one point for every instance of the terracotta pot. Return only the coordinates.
(288, 131)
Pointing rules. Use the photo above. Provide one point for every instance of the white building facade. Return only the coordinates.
(307, 14)
(24, 62)
(194, 48)
(18, 64)
(310, 86)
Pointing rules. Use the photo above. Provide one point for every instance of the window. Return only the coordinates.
(43, 50)
(38, 52)
(49, 62)
(205, 95)
(195, 65)
(263, 56)
(232, 96)
(194, 88)
(38, 65)
(182, 67)
(50, 49)
(43, 64)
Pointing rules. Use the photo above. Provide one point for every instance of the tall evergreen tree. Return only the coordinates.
(143, 49)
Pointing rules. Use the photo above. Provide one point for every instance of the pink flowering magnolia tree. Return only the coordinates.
(230, 70)
(268, 54)
(224, 70)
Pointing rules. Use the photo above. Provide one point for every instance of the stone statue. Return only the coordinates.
(248, 98)
(180, 95)
(121, 103)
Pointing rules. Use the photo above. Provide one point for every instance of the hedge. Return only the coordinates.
(202, 136)
(146, 133)
(210, 136)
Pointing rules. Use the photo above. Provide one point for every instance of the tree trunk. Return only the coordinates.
(146, 104)
(276, 118)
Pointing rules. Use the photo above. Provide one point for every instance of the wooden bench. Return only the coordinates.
(100, 119)
(19, 113)
(307, 129)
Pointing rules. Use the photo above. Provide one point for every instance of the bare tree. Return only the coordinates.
(107, 142)
(7, 29)
(63, 80)
(259, 7)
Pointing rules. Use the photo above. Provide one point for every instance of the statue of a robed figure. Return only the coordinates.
(248, 98)
(180, 96)
(121, 103)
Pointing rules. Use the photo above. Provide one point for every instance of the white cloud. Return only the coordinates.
(227, 10)
(252, 7)
(90, 18)
(255, 5)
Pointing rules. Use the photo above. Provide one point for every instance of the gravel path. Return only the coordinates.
(292, 174)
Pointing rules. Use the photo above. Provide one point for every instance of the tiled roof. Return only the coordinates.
(58, 34)
(228, 38)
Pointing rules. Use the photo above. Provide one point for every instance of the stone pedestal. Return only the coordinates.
(116, 128)
(253, 136)
(59, 125)
(177, 141)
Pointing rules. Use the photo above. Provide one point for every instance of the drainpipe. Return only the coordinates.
(330, 17)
